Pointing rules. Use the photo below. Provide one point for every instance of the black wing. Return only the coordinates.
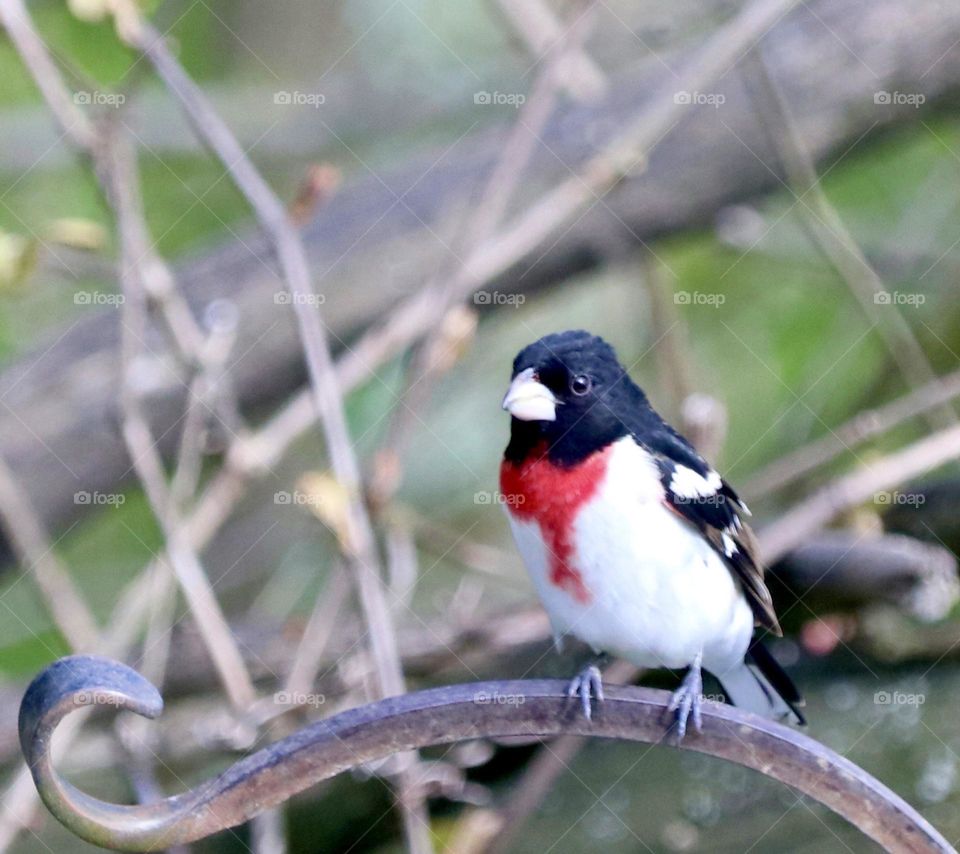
(695, 491)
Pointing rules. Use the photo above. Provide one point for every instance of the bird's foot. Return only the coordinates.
(687, 701)
(586, 684)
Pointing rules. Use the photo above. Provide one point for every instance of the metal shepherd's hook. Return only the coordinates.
(437, 716)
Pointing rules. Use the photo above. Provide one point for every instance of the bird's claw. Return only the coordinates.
(687, 701)
(586, 684)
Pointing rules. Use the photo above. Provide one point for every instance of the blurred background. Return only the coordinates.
(756, 203)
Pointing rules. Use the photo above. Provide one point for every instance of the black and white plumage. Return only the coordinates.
(634, 543)
(694, 490)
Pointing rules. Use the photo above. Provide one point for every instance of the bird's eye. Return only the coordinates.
(580, 384)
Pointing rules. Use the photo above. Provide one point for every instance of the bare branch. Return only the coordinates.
(327, 398)
(542, 30)
(553, 760)
(695, 169)
(415, 316)
(70, 612)
(360, 546)
(313, 644)
(825, 226)
(450, 328)
(865, 425)
(143, 275)
(72, 120)
(797, 524)
(119, 174)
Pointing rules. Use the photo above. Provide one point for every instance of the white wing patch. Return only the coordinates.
(686, 483)
(729, 546)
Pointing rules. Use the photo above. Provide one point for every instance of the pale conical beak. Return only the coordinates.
(529, 400)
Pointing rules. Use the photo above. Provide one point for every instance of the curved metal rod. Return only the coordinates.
(437, 716)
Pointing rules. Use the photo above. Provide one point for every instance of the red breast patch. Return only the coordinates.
(551, 495)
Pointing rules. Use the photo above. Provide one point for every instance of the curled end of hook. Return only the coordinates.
(75, 681)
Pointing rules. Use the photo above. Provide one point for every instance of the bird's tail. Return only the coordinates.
(761, 686)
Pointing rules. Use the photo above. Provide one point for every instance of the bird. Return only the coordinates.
(633, 542)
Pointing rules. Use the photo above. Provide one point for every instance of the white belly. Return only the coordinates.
(658, 593)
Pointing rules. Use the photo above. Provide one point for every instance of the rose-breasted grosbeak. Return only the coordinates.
(634, 543)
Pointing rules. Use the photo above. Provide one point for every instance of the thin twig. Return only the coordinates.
(552, 760)
(523, 139)
(542, 30)
(361, 548)
(797, 524)
(672, 354)
(20, 799)
(267, 833)
(63, 600)
(626, 154)
(450, 329)
(253, 456)
(73, 121)
(144, 275)
(310, 651)
(136, 734)
(865, 425)
(326, 392)
(121, 180)
(416, 315)
(202, 400)
(497, 254)
(834, 240)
